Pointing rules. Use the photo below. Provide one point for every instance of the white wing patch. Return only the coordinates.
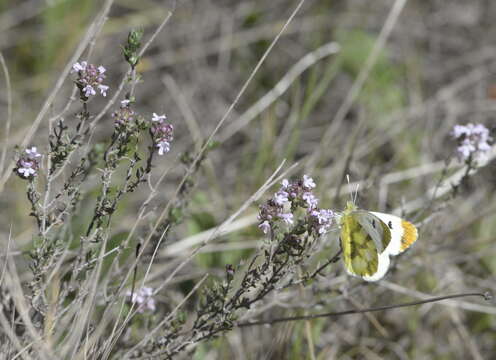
(396, 227)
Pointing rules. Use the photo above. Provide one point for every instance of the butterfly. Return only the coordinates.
(369, 238)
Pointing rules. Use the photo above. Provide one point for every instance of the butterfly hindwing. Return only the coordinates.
(375, 227)
(361, 256)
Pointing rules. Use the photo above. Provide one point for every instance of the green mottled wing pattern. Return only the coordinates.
(375, 227)
(360, 252)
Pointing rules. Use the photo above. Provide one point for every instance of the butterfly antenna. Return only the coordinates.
(348, 181)
(355, 195)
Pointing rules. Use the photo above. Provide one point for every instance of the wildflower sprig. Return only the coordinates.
(162, 133)
(143, 299)
(294, 223)
(295, 206)
(28, 163)
(473, 142)
(89, 79)
(130, 50)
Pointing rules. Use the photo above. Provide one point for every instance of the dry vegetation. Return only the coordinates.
(366, 88)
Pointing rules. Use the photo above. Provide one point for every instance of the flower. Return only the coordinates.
(473, 141)
(295, 203)
(89, 91)
(163, 147)
(89, 79)
(124, 117)
(158, 118)
(310, 199)
(324, 219)
(26, 169)
(162, 133)
(264, 226)
(103, 89)
(281, 197)
(143, 298)
(77, 67)
(33, 153)
(308, 182)
(28, 163)
(287, 218)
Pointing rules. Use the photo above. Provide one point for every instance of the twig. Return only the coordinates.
(361, 311)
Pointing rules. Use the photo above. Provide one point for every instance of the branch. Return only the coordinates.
(487, 296)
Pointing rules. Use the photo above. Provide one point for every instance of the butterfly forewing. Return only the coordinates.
(375, 227)
(403, 233)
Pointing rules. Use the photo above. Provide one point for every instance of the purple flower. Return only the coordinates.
(33, 153)
(89, 78)
(308, 182)
(264, 226)
(163, 147)
(26, 170)
(473, 141)
(310, 199)
(28, 163)
(162, 133)
(285, 183)
(144, 299)
(324, 219)
(287, 218)
(281, 197)
(124, 117)
(89, 91)
(103, 89)
(77, 67)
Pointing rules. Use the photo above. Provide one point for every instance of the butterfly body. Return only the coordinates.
(369, 238)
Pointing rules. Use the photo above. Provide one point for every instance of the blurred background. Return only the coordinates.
(436, 69)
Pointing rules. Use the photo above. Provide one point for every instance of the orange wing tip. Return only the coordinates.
(410, 235)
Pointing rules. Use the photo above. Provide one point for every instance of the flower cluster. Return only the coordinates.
(295, 204)
(143, 298)
(124, 117)
(28, 164)
(473, 141)
(89, 79)
(162, 133)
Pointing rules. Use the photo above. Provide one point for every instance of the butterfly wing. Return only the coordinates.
(403, 233)
(360, 253)
(369, 238)
(375, 227)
